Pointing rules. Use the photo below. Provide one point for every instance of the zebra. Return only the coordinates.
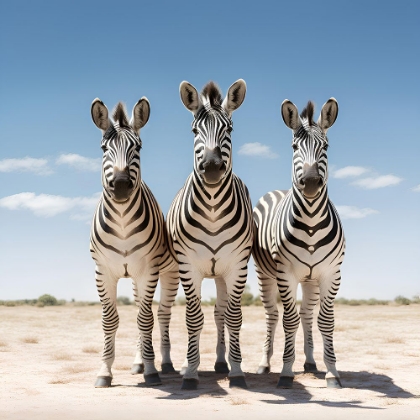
(211, 228)
(300, 239)
(128, 239)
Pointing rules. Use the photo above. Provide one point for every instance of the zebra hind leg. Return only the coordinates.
(107, 290)
(169, 282)
(326, 327)
(310, 297)
(268, 293)
(220, 365)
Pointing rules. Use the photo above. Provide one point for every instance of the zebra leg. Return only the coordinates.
(145, 322)
(233, 319)
(138, 365)
(221, 365)
(169, 282)
(268, 293)
(310, 297)
(326, 327)
(287, 288)
(107, 290)
(194, 316)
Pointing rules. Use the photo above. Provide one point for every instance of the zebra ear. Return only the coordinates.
(328, 115)
(235, 96)
(189, 97)
(290, 114)
(141, 114)
(100, 115)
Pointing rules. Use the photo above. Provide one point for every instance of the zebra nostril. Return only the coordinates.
(111, 183)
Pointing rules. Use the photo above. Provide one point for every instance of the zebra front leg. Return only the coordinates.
(326, 327)
(107, 290)
(233, 320)
(138, 365)
(191, 282)
(310, 297)
(287, 288)
(169, 282)
(221, 365)
(268, 294)
(145, 321)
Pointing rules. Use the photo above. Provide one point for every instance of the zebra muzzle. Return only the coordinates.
(122, 185)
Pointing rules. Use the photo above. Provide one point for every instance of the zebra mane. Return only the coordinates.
(308, 113)
(120, 115)
(212, 93)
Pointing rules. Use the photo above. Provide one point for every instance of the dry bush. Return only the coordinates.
(58, 381)
(3, 343)
(238, 401)
(30, 340)
(62, 356)
(90, 349)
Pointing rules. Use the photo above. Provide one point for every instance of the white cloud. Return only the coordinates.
(416, 189)
(257, 149)
(26, 164)
(45, 205)
(78, 162)
(381, 181)
(349, 171)
(351, 212)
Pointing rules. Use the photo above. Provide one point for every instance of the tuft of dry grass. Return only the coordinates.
(62, 356)
(30, 340)
(238, 401)
(396, 340)
(57, 381)
(3, 343)
(90, 349)
(75, 369)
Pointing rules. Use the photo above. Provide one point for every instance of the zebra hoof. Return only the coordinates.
(153, 379)
(237, 382)
(285, 382)
(221, 367)
(137, 368)
(310, 367)
(103, 382)
(263, 370)
(334, 383)
(167, 368)
(189, 384)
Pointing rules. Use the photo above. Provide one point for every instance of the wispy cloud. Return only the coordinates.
(26, 164)
(349, 172)
(382, 181)
(257, 149)
(78, 162)
(416, 189)
(45, 205)
(351, 212)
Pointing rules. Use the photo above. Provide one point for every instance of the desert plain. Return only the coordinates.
(49, 358)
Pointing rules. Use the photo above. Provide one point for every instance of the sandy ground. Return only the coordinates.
(49, 358)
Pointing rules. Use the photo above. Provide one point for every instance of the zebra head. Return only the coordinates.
(212, 126)
(121, 145)
(310, 144)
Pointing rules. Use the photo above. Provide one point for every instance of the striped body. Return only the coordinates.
(211, 230)
(128, 240)
(300, 240)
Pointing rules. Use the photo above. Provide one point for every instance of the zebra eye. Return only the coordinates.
(195, 131)
(104, 148)
(325, 147)
(295, 147)
(229, 130)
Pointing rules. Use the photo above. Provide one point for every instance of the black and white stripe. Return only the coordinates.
(300, 240)
(128, 240)
(211, 228)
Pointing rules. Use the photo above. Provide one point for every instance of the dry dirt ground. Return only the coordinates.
(49, 358)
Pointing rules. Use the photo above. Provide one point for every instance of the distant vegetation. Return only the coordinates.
(248, 299)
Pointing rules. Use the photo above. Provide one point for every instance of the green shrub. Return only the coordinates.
(123, 300)
(257, 301)
(47, 300)
(401, 300)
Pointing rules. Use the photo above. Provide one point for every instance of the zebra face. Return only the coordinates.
(212, 144)
(310, 144)
(212, 127)
(121, 145)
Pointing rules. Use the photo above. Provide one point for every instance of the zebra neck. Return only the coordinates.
(306, 214)
(120, 211)
(209, 193)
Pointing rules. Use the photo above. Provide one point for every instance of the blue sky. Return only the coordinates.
(58, 56)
